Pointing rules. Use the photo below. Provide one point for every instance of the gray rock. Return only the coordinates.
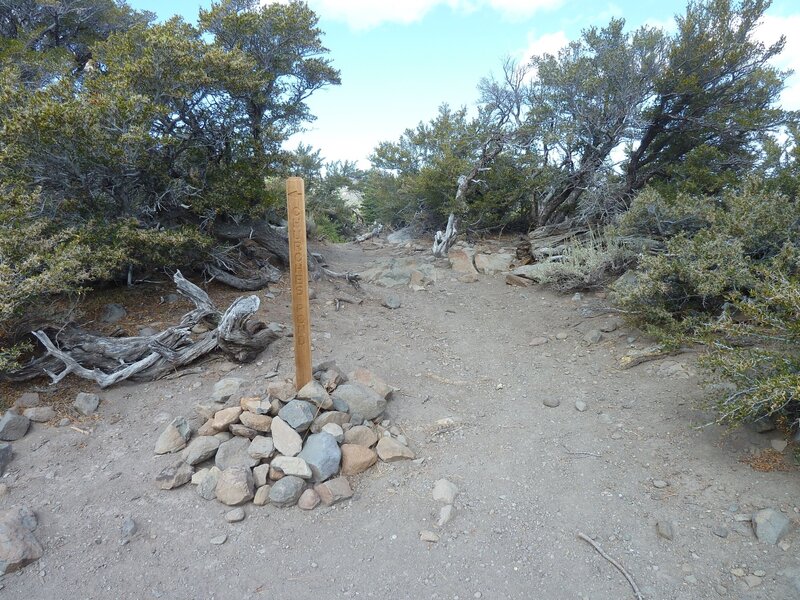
(286, 491)
(175, 475)
(225, 388)
(593, 337)
(428, 536)
(240, 430)
(200, 449)
(660, 484)
(770, 525)
(720, 531)
(208, 487)
(665, 530)
(445, 491)
(390, 450)
(315, 393)
(18, 546)
(5, 456)
(326, 418)
(322, 454)
(174, 436)
(28, 400)
(86, 403)
(262, 495)
(763, 425)
(219, 539)
(128, 528)
(551, 402)
(235, 516)
(287, 441)
(233, 453)
(292, 465)
(261, 447)
(361, 435)
(40, 414)
(445, 515)
(580, 405)
(299, 414)
(261, 475)
(235, 486)
(335, 430)
(113, 313)
(492, 264)
(13, 426)
(361, 399)
(392, 301)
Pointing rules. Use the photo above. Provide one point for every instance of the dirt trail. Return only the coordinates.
(531, 477)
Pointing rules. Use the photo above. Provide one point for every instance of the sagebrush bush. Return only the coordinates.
(729, 278)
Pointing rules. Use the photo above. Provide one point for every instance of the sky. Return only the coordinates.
(401, 59)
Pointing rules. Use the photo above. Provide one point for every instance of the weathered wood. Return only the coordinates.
(376, 231)
(259, 281)
(298, 272)
(443, 241)
(107, 360)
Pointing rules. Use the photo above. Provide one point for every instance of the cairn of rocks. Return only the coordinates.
(289, 447)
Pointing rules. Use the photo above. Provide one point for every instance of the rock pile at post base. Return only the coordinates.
(287, 447)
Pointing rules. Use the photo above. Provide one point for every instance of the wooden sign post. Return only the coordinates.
(298, 272)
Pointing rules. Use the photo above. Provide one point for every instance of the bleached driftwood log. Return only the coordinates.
(107, 360)
(376, 231)
(444, 240)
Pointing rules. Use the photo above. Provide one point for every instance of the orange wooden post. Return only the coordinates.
(298, 272)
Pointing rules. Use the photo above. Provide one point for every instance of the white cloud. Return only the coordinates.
(366, 14)
(769, 32)
(548, 43)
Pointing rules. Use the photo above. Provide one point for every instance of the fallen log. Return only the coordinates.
(376, 231)
(107, 360)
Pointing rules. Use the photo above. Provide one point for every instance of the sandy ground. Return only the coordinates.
(531, 477)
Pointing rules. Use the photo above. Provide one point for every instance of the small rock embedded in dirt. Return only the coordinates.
(235, 516)
(428, 536)
(128, 528)
(286, 491)
(322, 454)
(333, 491)
(27, 400)
(40, 414)
(752, 581)
(392, 301)
(86, 404)
(299, 414)
(660, 484)
(665, 530)
(390, 450)
(538, 341)
(606, 419)
(225, 388)
(777, 445)
(580, 405)
(445, 515)
(361, 435)
(175, 475)
(361, 399)
(315, 393)
(200, 449)
(309, 500)
(445, 491)
(593, 337)
(770, 525)
(207, 488)
(287, 441)
(13, 426)
(6, 454)
(562, 335)
(235, 486)
(720, 531)
(113, 313)
(18, 546)
(357, 459)
(235, 452)
(219, 540)
(174, 436)
(551, 402)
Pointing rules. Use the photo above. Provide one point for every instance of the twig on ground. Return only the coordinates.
(580, 452)
(619, 567)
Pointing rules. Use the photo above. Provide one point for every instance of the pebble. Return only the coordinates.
(562, 335)
(129, 527)
(778, 445)
(660, 483)
(580, 405)
(445, 491)
(13, 426)
(334, 491)
(292, 465)
(234, 516)
(287, 441)
(40, 414)
(335, 430)
(665, 530)
(445, 515)
(752, 581)
(428, 536)
(86, 404)
(538, 341)
(392, 301)
(720, 531)
(309, 500)
(770, 525)
(738, 572)
(759, 573)
(390, 450)
(551, 402)
(262, 495)
(219, 540)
